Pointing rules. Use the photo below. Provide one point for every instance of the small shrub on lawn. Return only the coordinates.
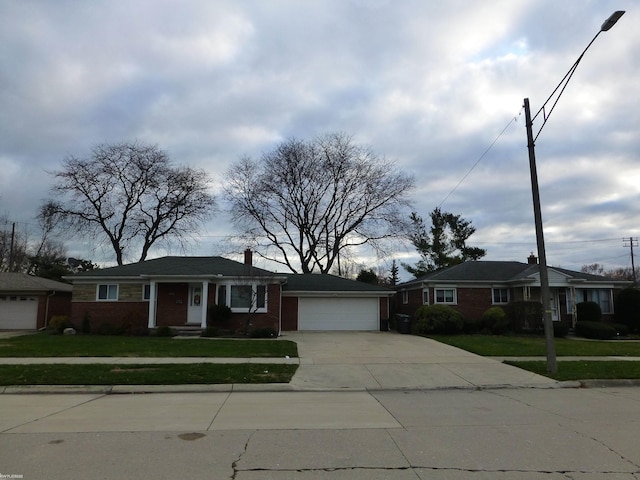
(267, 332)
(59, 322)
(211, 332)
(588, 312)
(621, 329)
(560, 330)
(438, 319)
(595, 330)
(627, 308)
(471, 326)
(164, 331)
(219, 313)
(496, 320)
(525, 316)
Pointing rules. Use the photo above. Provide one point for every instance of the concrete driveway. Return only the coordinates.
(389, 361)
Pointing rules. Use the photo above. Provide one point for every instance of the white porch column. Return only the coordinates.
(152, 305)
(205, 303)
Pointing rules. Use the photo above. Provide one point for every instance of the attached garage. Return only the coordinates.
(331, 313)
(18, 312)
(28, 302)
(326, 302)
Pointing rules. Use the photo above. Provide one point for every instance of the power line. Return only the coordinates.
(512, 120)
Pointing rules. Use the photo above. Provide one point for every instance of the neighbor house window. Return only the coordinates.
(445, 295)
(108, 292)
(425, 296)
(146, 292)
(500, 295)
(247, 297)
(222, 295)
(405, 296)
(601, 296)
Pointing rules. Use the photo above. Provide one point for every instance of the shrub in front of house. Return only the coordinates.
(219, 313)
(211, 332)
(525, 316)
(627, 308)
(164, 331)
(495, 320)
(266, 332)
(472, 325)
(588, 312)
(59, 322)
(560, 330)
(110, 329)
(595, 330)
(621, 329)
(438, 319)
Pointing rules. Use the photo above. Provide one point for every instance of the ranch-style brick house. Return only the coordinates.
(178, 292)
(473, 287)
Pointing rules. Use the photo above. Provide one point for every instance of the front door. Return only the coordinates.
(194, 314)
(553, 300)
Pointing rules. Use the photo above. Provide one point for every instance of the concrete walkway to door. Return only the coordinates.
(391, 361)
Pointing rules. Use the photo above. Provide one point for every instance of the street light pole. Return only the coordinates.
(545, 294)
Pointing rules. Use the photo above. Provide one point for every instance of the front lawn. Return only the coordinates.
(45, 345)
(584, 370)
(161, 374)
(529, 346)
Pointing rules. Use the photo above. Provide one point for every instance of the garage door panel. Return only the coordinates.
(330, 313)
(18, 313)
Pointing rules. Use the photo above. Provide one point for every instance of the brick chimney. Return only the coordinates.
(248, 257)
(532, 259)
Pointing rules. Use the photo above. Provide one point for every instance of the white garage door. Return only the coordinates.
(338, 314)
(18, 312)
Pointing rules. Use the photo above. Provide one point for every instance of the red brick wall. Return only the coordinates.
(240, 322)
(290, 313)
(472, 302)
(58, 304)
(128, 315)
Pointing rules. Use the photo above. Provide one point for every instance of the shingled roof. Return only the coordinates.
(178, 266)
(495, 271)
(21, 282)
(312, 282)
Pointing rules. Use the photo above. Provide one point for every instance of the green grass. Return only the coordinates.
(45, 345)
(585, 370)
(162, 374)
(529, 346)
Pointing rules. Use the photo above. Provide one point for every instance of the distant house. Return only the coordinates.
(473, 287)
(178, 292)
(28, 302)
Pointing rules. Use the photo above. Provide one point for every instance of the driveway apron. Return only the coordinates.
(393, 361)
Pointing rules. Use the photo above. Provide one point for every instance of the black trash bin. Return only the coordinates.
(403, 323)
(384, 324)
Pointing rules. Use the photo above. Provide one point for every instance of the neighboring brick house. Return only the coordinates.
(473, 287)
(28, 302)
(178, 291)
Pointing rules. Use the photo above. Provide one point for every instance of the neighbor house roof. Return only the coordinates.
(503, 272)
(312, 282)
(21, 282)
(177, 266)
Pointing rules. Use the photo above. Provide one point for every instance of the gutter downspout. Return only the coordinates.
(46, 310)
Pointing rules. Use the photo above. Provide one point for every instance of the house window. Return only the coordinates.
(245, 297)
(500, 295)
(405, 296)
(222, 295)
(425, 296)
(146, 292)
(108, 292)
(600, 296)
(445, 295)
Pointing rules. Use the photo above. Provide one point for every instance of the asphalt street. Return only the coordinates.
(508, 433)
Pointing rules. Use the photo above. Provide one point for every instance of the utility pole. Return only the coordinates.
(13, 236)
(631, 241)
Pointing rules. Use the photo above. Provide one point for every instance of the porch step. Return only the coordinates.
(189, 331)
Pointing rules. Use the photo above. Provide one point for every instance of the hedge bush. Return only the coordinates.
(495, 320)
(595, 330)
(560, 330)
(438, 319)
(266, 332)
(525, 316)
(588, 312)
(627, 307)
(59, 322)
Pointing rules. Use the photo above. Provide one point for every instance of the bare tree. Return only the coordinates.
(312, 201)
(130, 195)
(13, 248)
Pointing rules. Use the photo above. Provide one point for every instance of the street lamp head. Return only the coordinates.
(611, 21)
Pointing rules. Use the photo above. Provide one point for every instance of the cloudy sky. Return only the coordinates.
(429, 84)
